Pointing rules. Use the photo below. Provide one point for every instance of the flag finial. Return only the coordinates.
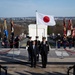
(36, 10)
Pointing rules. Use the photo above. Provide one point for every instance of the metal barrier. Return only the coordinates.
(73, 67)
(4, 68)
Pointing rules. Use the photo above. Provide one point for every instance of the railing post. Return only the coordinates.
(4, 68)
(6, 72)
(74, 70)
(0, 69)
(56, 45)
(68, 72)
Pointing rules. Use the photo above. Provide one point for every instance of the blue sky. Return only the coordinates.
(26, 8)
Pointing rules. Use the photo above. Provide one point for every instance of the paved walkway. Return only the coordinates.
(22, 55)
(54, 55)
(27, 70)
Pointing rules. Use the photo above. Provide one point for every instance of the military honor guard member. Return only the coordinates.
(29, 44)
(17, 42)
(64, 41)
(59, 40)
(44, 48)
(37, 43)
(70, 41)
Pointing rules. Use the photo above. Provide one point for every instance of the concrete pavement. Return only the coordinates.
(22, 55)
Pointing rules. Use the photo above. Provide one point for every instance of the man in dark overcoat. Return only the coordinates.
(34, 53)
(44, 48)
(37, 43)
(29, 44)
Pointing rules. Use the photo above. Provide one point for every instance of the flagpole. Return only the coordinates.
(36, 24)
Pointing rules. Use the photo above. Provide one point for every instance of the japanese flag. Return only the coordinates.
(45, 19)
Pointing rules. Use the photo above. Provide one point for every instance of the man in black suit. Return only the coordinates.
(11, 43)
(29, 44)
(37, 43)
(34, 53)
(44, 51)
(17, 42)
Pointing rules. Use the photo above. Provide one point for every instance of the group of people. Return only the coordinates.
(35, 48)
(64, 41)
(13, 42)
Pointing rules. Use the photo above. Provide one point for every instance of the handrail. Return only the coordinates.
(4, 68)
(49, 63)
(73, 67)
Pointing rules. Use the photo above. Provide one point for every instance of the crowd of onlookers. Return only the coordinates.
(12, 42)
(62, 40)
(54, 40)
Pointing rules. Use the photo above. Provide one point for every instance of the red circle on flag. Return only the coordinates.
(46, 19)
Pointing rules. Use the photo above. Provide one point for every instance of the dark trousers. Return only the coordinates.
(64, 44)
(29, 55)
(17, 44)
(74, 44)
(70, 44)
(33, 60)
(5, 46)
(58, 44)
(44, 60)
(11, 44)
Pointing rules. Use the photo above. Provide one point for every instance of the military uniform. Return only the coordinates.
(58, 41)
(11, 43)
(70, 40)
(29, 44)
(73, 41)
(44, 51)
(37, 43)
(16, 42)
(64, 42)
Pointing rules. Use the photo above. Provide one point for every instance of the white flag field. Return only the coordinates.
(42, 19)
(68, 32)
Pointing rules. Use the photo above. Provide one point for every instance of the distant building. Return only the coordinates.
(40, 32)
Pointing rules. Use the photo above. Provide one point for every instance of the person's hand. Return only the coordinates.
(26, 47)
(3, 43)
